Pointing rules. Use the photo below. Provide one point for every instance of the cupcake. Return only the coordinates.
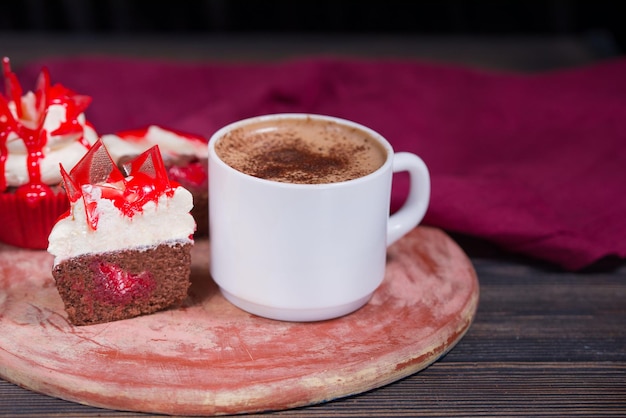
(38, 131)
(185, 158)
(113, 259)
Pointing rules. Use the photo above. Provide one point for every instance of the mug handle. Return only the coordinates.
(414, 209)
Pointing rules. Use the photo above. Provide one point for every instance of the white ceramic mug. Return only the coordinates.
(307, 252)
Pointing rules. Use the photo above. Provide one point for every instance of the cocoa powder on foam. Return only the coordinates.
(303, 151)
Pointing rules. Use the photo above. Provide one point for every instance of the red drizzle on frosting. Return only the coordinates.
(30, 127)
(138, 135)
(96, 177)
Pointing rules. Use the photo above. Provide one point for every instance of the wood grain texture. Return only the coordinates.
(211, 358)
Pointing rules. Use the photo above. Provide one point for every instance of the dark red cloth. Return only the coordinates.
(534, 163)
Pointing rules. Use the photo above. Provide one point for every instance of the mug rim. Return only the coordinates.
(380, 139)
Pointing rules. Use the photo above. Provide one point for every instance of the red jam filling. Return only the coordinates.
(115, 285)
(30, 127)
(96, 177)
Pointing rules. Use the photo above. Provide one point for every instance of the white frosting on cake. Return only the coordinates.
(170, 143)
(64, 149)
(166, 221)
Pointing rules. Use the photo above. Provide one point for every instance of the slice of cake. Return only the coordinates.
(123, 249)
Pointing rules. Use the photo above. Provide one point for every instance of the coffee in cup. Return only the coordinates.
(305, 151)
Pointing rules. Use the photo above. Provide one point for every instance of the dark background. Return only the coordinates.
(447, 17)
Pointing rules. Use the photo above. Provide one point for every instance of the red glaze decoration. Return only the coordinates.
(5, 128)
(193, 173)
(12, 86)
(96, 176)
(75, 104)
(30, 127)
(118, 286)
(32, 192)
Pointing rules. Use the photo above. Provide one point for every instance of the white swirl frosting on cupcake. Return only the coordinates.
(58, 129)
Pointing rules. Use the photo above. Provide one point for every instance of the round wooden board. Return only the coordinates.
(210, 358)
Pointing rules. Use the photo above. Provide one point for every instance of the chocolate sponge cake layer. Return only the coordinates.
(104, 287)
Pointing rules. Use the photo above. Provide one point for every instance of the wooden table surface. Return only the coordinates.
(544, 341)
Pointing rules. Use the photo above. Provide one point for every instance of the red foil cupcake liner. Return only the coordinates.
(28, 224)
